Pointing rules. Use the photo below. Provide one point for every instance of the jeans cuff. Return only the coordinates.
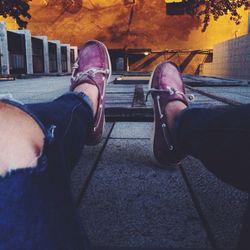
(85, 98)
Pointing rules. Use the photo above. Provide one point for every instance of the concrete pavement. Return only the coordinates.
(126, 202)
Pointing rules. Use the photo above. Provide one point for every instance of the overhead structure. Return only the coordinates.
(24, 54)
(176, 7)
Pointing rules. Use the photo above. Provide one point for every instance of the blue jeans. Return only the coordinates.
(220, 138)
(36, 208)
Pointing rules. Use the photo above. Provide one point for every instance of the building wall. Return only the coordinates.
(18, 46)
(231, 59)
(122, 25)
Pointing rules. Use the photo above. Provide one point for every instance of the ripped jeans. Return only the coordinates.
(36, 208)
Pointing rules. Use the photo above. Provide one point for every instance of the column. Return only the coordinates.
(75, 49)
(68, 57)
(45, 53)
(58, 55)
(28, 49)
(4, 53)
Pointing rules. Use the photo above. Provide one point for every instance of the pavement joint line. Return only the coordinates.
(94, 167)
(127, 138)
(142, 248)
(198, 208)
(244, 235)
(215, 97)
(185, 176)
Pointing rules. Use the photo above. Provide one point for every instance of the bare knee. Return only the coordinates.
(21, 139)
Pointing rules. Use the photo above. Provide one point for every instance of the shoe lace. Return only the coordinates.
(170, 91)
(90, 73)
(87, 73)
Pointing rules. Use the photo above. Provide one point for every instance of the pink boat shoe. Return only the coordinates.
(93, 66)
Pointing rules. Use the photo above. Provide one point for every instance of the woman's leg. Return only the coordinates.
(68, 121)
(220, 138)
(36, 209)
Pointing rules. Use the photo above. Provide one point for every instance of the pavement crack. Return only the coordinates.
(91, 173)
(198, 208)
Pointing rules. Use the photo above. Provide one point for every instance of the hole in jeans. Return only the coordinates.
(21, 139)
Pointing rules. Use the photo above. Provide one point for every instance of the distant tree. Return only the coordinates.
(205, 10)
(17, 9)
